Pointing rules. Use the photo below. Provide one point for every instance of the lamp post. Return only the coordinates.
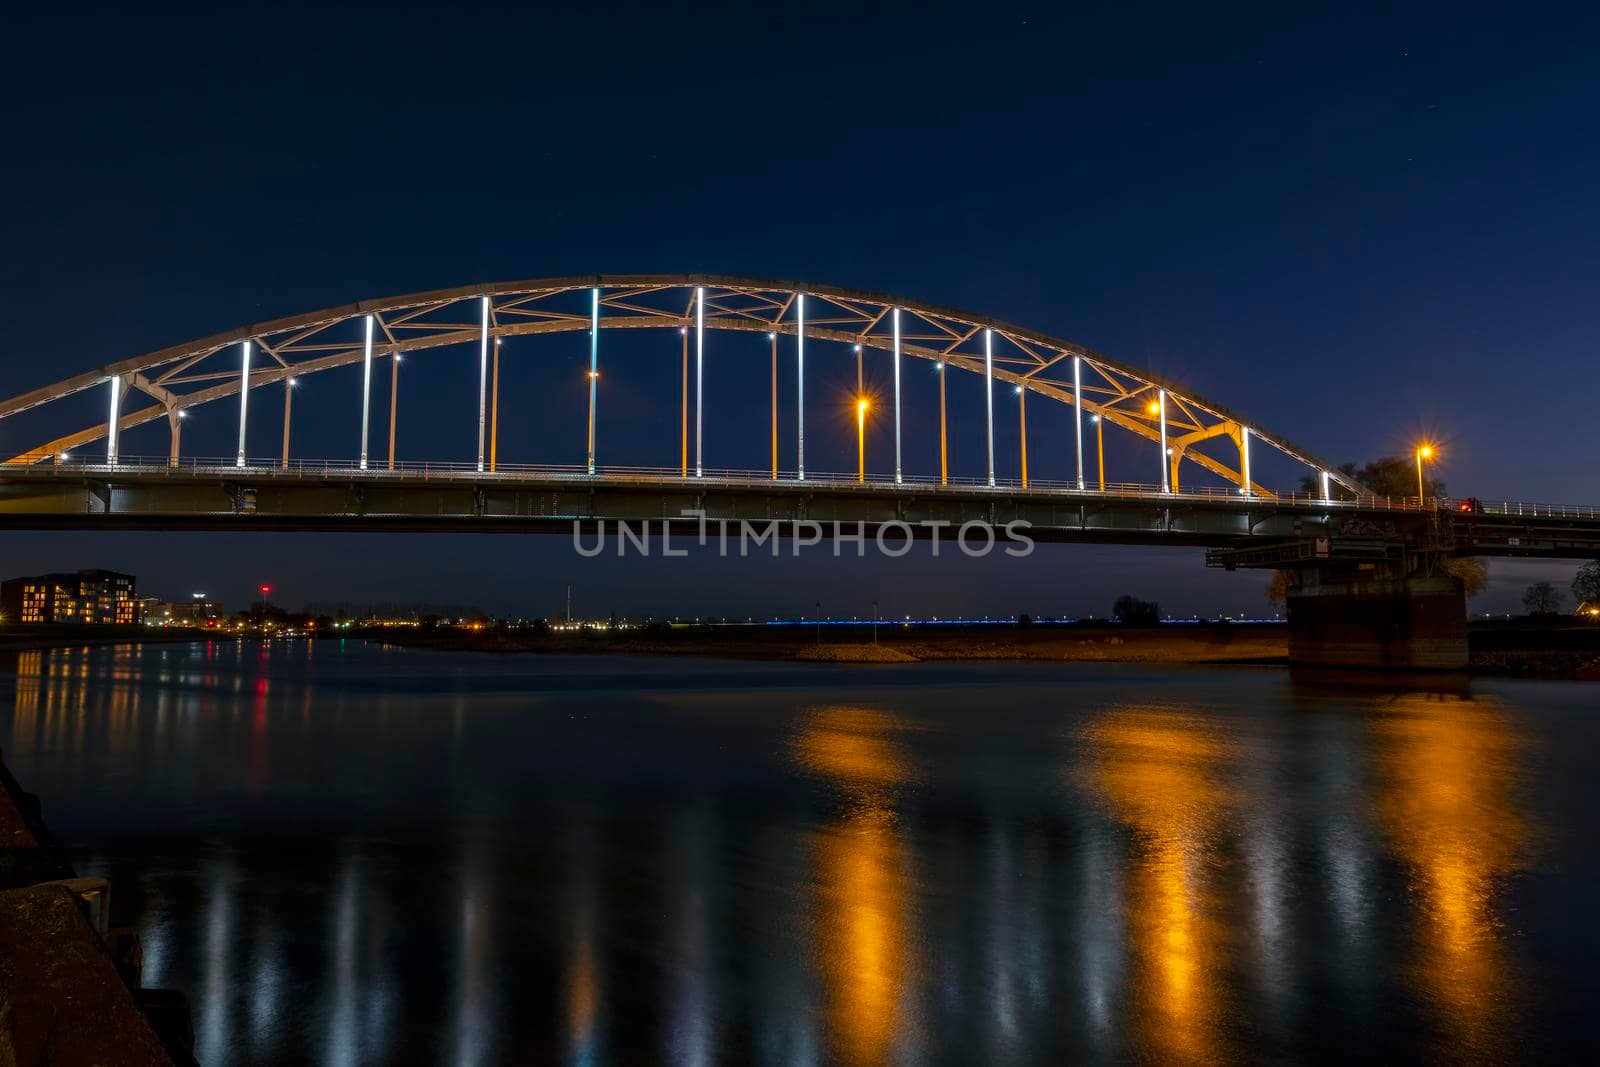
(494, 409)
(1424, 451)
(944, 460)
(1022, 430)
(288, 410)
(861, 439)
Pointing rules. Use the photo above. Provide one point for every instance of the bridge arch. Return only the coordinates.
(181, 377)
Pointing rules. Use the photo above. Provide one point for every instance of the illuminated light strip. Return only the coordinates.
(1077, 412)
(897, 396)
(594, 366)
(1325, 497)
(988, 396)
(800, 370)
(111, 424)
(483, 379)
(366, 390)
(699, 381)
(244, 399)
(1161, 412)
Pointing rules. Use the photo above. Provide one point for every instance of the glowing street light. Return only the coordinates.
(394, 403)
(1022, 430)
(1424, 451)
(862, 404)
(288, 413)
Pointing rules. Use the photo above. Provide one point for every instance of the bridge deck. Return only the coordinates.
(304, 495)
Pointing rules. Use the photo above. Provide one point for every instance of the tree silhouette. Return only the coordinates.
(1586, 584)
(1542, 598)
(1131, 611)
(1387, 476)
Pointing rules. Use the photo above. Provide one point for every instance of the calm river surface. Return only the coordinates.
(347, 854)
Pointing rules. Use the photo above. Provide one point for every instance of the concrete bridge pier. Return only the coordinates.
(1378, 620)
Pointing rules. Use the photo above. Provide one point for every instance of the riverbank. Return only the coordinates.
(1496, 649)
(16, 638)
(1222, 643)
(70, 987)
(1528, 649)
(1505, 649)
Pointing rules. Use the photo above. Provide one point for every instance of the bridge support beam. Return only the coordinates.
(1415, 623)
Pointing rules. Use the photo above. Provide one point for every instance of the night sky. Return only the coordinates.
(1353, 229)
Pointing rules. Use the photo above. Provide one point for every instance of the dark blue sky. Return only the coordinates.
(1353, 228)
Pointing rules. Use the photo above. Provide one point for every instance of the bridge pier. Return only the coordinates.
(1378, 621)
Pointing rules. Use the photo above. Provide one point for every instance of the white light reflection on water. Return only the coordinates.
(485, 859)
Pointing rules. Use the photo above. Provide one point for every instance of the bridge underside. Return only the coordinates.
(271, 500)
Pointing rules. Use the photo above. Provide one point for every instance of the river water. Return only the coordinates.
(347, 854)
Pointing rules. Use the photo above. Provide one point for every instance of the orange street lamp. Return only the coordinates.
(861, 439)
(1424, 451)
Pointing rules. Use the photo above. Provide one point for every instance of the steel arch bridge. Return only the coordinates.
(1177, 425)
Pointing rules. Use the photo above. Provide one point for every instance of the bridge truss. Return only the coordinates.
(1175, 423)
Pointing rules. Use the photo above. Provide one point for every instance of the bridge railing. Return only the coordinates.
(431, 470)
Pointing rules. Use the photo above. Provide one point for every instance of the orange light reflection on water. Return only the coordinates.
(861, 886)
(1159, 773)
(1448, 772)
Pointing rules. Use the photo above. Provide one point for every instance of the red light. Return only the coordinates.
(266, 589)
(1464, 506)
